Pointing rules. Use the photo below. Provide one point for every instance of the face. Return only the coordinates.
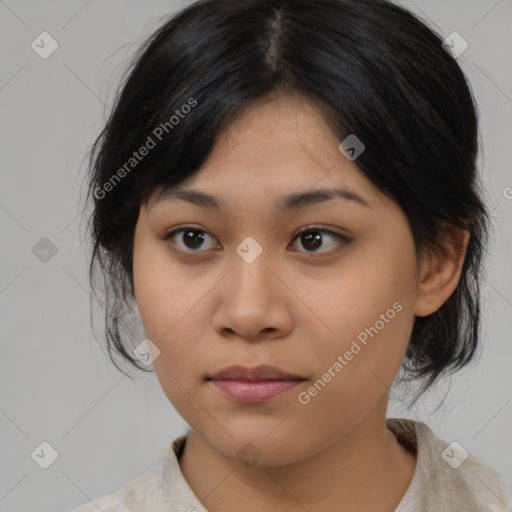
(322, 288)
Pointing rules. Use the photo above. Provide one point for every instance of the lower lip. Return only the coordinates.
(254, 391)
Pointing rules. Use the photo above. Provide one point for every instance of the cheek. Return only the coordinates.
(165, 294)
(168, 308)
(358, 368)
(369, 290)
(370, 313)
(172, 301)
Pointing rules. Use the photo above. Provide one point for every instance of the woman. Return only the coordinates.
(287, 192)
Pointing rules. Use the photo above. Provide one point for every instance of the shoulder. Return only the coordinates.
(140, 494)
(447, 476)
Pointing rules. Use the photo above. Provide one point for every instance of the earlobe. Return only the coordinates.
(440, 272)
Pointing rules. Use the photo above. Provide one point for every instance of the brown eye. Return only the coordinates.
(313, 239)
(189, 240)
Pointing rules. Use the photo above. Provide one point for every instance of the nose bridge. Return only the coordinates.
(252, 299)
(250, 270)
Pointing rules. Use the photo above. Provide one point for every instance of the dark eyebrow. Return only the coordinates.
(288, 202)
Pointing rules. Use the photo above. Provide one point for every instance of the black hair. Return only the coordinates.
(375, 70)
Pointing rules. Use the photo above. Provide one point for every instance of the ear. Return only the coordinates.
(440, 270)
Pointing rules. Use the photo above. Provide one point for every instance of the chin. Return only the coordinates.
(258, 448)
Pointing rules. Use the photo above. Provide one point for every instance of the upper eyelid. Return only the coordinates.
(302, 230)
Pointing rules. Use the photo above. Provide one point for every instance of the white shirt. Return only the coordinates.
(446, 479)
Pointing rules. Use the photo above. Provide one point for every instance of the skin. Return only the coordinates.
(293, 307)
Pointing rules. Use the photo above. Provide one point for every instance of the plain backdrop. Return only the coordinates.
(57, 383)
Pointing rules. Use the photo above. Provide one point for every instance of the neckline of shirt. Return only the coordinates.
(180, 495)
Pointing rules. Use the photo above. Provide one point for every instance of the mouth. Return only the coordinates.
(253, 385)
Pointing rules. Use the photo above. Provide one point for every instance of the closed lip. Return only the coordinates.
(258, 373)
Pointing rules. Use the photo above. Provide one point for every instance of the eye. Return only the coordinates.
(314, 238)
(191, 239)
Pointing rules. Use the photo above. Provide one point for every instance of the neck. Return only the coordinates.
(366, 469)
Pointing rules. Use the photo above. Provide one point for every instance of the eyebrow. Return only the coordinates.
(288, 202)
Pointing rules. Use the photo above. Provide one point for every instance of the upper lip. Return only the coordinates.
(258, 373)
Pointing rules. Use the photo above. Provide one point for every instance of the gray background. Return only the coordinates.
(57, 384)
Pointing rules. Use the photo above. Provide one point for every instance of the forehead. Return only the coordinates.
(280, 148)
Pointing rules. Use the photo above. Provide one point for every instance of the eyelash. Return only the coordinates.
(341, 238)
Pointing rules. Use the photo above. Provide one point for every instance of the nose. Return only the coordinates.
(253, 302)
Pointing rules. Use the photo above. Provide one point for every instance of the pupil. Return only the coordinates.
(193, 241)
(312, 240)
